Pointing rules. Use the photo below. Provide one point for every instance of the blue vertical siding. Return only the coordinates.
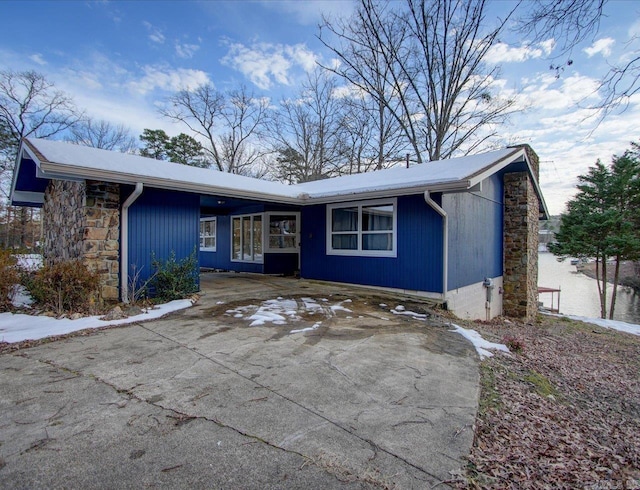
(475, 233)
(161, 222)
(418, 265)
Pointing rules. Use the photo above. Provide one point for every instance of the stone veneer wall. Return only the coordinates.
(521, 224)
(82, 221)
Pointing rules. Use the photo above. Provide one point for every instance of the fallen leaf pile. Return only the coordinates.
(562, 412)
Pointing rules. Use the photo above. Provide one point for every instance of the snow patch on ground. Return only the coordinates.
(29, 262)
(308, 329)
(482, 346)
(335, 308)
(21, 297)
(19, 327)
(401, 310)
(281, 311)
(601, 322)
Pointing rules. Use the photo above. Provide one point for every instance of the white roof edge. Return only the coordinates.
(170, 184)
(500, 164)
(72, 168)
(28, 196)
(16, 166)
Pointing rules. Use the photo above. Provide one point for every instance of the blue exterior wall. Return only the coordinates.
(418, 265)
(161, 221)
(475, 233)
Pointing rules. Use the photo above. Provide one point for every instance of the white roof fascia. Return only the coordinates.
(278, 193)
(70, 172)
(382, 193)
(28, 196)
(499, 165)
(509, 160)
(16, 171)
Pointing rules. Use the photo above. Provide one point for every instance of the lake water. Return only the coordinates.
(579, 294)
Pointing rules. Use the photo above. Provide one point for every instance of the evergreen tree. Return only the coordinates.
(186, 150)
(602, 220)
(155, 144)
(178, 149)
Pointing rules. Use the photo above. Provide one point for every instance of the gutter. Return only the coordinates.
(124, 242)
(445, 241)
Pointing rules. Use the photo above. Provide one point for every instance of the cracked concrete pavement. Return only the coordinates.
(201, 399)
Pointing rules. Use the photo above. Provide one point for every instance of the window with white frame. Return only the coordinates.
(283, 231)
(365, 228)
(208, 234)
(246, 238)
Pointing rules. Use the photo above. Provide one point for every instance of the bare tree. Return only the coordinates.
(29, 106)
(244, 118)
(572, 22)
(229, 123)
(308, 131)
(367, 64)
(103, 134)
(425, 64)
(568, 22)
(200, 110)
(374, 139)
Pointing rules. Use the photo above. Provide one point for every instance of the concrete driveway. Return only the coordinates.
(264, 383)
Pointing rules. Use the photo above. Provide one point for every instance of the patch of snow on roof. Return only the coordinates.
(139, 168)
(136, 168)
(422, 175)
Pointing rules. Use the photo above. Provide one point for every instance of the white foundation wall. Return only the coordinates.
(470, 302)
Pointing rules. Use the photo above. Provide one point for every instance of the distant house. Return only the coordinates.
(462, 231)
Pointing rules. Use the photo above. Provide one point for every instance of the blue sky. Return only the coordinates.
(120, 59)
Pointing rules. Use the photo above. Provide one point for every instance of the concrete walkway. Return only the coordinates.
(342, 393)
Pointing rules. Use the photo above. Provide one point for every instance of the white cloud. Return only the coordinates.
(37, 58)
(266, 63)
(166, 78)
(547, 93)
(155, 34)
(186, 51)
(302, 56)
(505, 53)
(634, 29)
(547, 46)
(567, 139)
(602, 46)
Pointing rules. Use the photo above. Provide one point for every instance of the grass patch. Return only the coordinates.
(490, 398)
(541, 384)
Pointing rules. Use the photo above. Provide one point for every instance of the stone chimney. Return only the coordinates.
(81, 220)
(521, 224)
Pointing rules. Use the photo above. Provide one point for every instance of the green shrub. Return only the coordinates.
(65, 287)
(9, 277)
(175, 279)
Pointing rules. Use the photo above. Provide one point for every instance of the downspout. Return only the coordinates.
(124, 242)
(445, 242)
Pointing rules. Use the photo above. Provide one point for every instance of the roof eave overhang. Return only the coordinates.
(446, 187)
(518, 155)
(70, 172)
(24, 198)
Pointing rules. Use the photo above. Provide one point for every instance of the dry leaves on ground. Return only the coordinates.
(564, 412)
